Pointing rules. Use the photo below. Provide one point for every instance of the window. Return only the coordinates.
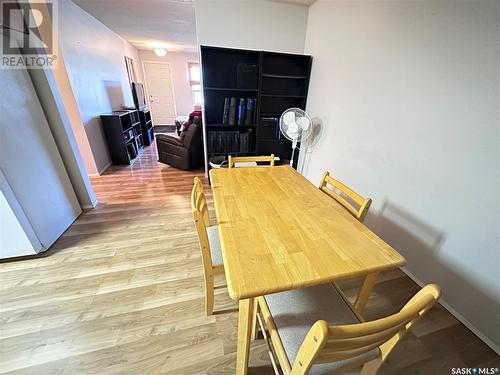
(194, 73)
(194, 81)
(196, 94)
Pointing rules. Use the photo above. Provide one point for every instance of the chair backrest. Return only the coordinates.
(192, 136)
(341, 191)
(232, 160)
(325, 343)
(201, 220)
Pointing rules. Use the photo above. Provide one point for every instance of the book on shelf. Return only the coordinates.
(241, 111)
(225, 115)
(221, 144)
(245, 141)
(254, 120)
(236, 141)
(229, 142)
(211, 142)
(249, 112)
(233, 104)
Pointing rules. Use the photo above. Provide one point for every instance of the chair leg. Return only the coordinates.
(371, 367)
(209, 295)
(255, 322)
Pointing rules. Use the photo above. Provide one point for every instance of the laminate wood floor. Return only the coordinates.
(121, 292)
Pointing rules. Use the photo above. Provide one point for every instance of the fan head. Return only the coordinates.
(295, 124)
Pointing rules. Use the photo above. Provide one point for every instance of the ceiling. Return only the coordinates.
(148, 24)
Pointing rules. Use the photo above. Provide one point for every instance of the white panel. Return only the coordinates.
(30, 161)
(13, 240)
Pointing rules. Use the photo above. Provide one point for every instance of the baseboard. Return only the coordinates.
(457, 315)
(90, 206)
(87, 207)
(101, 171)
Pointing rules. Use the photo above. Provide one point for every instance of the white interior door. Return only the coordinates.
(160, 92)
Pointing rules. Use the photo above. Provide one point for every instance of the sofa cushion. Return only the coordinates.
(295, 311)
(215, 247)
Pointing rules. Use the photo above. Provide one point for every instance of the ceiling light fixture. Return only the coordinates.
(160, 52)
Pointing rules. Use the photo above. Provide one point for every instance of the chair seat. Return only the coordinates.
(295, 311)
(215, 247)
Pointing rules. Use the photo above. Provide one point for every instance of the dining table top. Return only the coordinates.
(278, 232)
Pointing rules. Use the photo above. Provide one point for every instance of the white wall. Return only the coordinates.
(94, 58)
(13, 240)
(55, 97)
(408, 93)
(178, 62)
(257, 24)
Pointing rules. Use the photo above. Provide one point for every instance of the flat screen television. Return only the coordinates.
(139, 95)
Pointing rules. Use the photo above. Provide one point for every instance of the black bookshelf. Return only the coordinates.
(276, 81)
(124, 136)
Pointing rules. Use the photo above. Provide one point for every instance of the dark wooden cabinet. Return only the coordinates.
(274, 81)
(124, 136)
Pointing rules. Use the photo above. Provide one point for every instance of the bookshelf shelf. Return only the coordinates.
(283, 76)
(230, 126)
(283, 96)
(236, 153)
(230, 89)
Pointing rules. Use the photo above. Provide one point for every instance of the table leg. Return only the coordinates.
(245, 319)
(365, 291)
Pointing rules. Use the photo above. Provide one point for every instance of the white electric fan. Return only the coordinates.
(295, 125)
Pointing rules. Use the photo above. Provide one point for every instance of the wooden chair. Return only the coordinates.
(345, 191)
(208, 237)
(315, 330)
(251, 160)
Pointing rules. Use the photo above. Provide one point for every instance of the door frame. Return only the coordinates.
(147, 89)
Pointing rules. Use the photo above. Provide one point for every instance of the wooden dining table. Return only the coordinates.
(280, 232)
